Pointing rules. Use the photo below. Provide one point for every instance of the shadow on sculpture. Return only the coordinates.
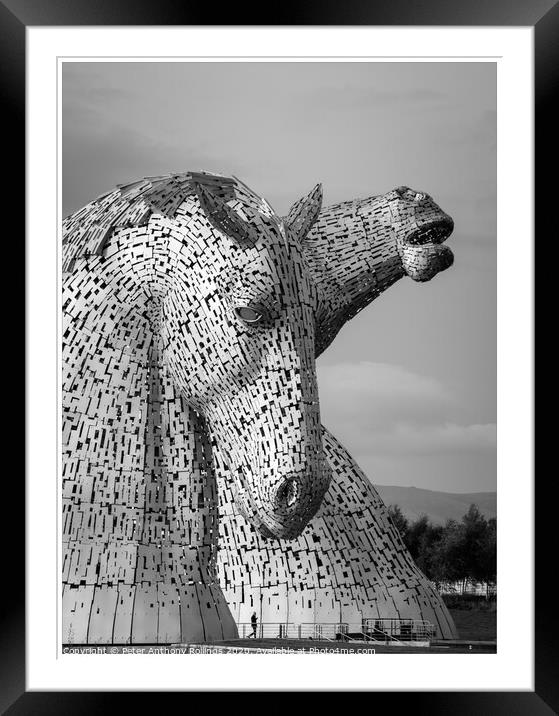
(198, 482)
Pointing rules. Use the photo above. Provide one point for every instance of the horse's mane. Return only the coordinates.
(86, 231)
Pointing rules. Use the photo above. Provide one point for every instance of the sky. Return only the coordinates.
(409, 385)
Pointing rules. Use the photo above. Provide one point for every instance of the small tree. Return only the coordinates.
(421, 540)
(475, 538)
(400, 521)
(448, 560)
(415, 539)
(487, 560)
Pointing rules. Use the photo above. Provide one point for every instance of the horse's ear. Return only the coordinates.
(304, 213)
(224, 218)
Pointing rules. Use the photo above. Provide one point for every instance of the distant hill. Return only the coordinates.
(438, 506)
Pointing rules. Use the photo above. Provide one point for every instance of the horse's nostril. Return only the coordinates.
(288, 493)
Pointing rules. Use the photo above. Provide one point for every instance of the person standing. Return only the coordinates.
(254, 622)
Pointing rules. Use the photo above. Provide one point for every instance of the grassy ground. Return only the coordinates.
(475, 624)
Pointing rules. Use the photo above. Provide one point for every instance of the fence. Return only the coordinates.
(385, 630)
(467, 587)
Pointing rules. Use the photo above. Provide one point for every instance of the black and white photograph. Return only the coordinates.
(279, 356)
(279, 338)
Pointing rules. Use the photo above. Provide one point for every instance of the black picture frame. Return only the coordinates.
(15, 17)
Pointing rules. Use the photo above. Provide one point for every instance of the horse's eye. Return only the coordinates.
(248, 314)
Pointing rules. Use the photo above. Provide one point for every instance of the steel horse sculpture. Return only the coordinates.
(198, 482)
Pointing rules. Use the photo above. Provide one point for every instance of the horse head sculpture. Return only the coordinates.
(237, 327)
(358, 249)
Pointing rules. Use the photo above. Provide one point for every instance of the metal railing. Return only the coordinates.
(276, 630)
(399, 629)
(386, 630)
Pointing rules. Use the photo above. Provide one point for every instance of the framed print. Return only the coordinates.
(197, 237)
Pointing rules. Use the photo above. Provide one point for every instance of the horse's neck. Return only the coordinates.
(138, 477)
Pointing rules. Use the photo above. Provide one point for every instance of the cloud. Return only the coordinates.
(379, 394)
(435, 439)
(361, 98)
(100, 152)
(481, 131)
(383, 409)
(104, 146)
